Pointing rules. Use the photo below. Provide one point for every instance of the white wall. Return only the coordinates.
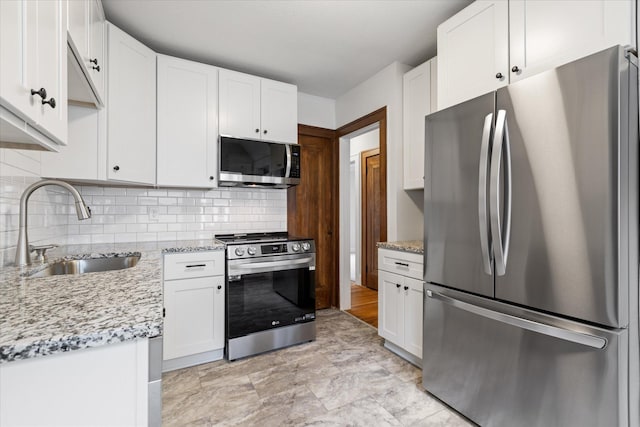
(364, 142)
(316, 111)
(404, 209)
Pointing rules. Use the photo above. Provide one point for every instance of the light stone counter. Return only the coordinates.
(415, 246)
(41, 316)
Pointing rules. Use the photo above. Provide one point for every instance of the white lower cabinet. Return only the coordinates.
(194, 299)
(400, 303)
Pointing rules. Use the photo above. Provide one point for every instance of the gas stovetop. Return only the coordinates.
(252, 245)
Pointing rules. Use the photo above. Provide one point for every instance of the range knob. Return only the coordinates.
(306, 246)
(239, 251)
(295, 247)
(251, 250)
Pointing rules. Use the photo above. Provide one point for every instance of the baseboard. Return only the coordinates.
(195, 359)
(403, 353)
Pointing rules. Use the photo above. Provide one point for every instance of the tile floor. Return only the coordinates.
(344, 378)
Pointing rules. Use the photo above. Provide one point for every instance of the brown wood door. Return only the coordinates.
(311, 204)
(371, 216)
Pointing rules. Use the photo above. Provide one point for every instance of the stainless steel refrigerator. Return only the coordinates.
(531, 249)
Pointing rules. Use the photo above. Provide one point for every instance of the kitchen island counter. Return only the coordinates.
(48, 315)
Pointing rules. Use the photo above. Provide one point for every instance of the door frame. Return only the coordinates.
(378, 117)
(363, 212)
(334, 298)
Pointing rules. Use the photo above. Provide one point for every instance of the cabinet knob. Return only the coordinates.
(42, 93)
(94, 61)
(406, 288)
(398, 285)
(499, 76)
(265, 131)
(219, 286)
(116, 168)
(257, 130)
(515, 69)
(96, 68)
(211, 178)
(51, 102)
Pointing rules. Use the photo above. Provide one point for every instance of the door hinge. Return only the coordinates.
(164, 312)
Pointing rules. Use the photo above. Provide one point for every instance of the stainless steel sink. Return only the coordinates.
(91, 265)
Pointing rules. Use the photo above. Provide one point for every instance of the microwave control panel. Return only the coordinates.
(295, 162)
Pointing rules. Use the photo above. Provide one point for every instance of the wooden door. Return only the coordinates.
(311, 204)
(371, 216)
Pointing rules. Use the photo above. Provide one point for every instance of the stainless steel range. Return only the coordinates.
(270, 292)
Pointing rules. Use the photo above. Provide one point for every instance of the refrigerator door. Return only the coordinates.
(457, 148)
(500, 365)
(574, 189)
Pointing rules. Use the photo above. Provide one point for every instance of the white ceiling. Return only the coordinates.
(325, 47)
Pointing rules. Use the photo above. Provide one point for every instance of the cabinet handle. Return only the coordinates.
(42, 93)
(96, 68)
(219, 286)
(94, 61)
(499, 76)
(398, 285)
(515, 69)
(257, 130)
(265, 132)
(51, 102)
(402, 264)
(211, 178)
(196, 265)
(116, 168)
(406, 288)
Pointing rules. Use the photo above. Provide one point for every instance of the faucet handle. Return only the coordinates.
(40, 251)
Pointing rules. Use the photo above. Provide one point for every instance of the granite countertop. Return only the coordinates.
(41, 316)
(415, 246)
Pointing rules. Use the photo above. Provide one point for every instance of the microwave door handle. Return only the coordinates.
(288, 169)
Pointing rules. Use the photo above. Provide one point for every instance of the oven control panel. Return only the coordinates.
(260, 249)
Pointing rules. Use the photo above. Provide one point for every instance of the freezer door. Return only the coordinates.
(457, 244)
(574, 190)
(504, 366)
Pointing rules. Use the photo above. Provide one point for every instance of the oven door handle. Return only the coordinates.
(258, 267)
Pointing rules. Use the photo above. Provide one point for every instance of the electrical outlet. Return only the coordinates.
(153, 213)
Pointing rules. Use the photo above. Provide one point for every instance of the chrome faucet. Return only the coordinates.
(23, 255)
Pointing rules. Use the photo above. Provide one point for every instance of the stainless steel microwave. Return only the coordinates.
(255, 163)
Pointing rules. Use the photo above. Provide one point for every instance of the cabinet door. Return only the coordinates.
(187, 123)
(97, 46)
(390, 307)
(279, 111)
(51, 66)
(472, 50)
(545, 35)
(239, 105)
(194, 321)
(416, 105)
(78, 25)
(131, 122)
(413, 302)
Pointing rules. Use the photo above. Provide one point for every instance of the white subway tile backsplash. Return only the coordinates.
(122, 214)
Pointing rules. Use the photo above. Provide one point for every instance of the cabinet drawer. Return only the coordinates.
(399, 262)
(194, 264)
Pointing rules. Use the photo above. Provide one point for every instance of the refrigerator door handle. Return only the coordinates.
(530, 325)
(500, 233)
(485, 243)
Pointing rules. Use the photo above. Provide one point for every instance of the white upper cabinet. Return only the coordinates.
(252, 107)
(33, 56)
(187, 123)
(493, 43)
(131, 119)
(279, 107)
(87, 62)
(419, 100)
(473, 52)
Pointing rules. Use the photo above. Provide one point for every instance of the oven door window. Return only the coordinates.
(261, 301)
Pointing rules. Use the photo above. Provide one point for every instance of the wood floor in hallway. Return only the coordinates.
(364, 304)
